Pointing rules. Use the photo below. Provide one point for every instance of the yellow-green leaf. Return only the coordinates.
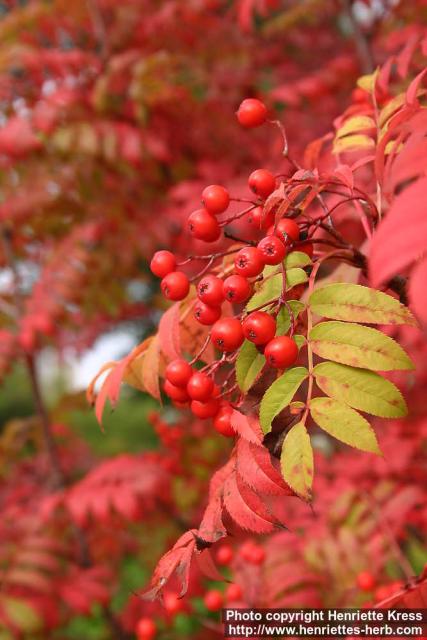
(361, 389)
(355, 124)
(297, 259)
(344, 423)
(358, 346)
(279, 395)
(21, 614)
(368, 81)
(295, 276)
(345, 301)
(296, 461)
(355, 142)
(390, 108)
(249, 364)
(284, 319)
(269, 289)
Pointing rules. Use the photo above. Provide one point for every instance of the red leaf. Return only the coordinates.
(246, 427)
(402, 236)
(417, 290)
(207, 565)
(412, 90)
(410, 162)
(177, 559)
(255, 465)
(241, 512)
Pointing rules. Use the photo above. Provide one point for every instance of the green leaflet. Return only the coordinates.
(296, 461)
(295, 276)
(279, 395)
(284, 319)
(300, 340)
(249, 364)
(297, 259)
(344, 301)
(268, 290)
(361, 389)
(358, 346)
(22, 614)
(344, 423)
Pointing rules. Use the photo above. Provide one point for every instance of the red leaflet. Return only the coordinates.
(256, 467)
(177, 560)
(417, 290)
(402, 236)
(246, 427)
(251, 517)
(207, 565)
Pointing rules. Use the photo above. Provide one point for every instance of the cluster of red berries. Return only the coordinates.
(184, 385)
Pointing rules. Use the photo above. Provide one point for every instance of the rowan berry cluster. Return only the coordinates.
(184, 384)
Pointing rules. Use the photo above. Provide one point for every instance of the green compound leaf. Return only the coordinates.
(361, 389)
(358, 346)
(295, 276)
(297, 259)
(249, 365)
(344, 423)
(296, 461)
(284, 318)
(344, 301)
(279, 395)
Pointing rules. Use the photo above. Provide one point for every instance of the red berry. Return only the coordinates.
(233, 593)
(287, 227)
(205, 314)
(203, 226)
(273, 250)
(258, 220)
(224, 555)
(175, 286)
(222, 422)
(252, 552)
(210, 290)
(249, 262)
(382, 593)
(259, 327)
(172, 603)
(178, 372)
(236, 289)
(205, 410)
(200, 386)
(213, 600)
(162, 263)
(281, 352)
(146, 629)
(215, 199)
(227, 334)
(178, 394)
(251, 113)
(365, 581)
(262, 182)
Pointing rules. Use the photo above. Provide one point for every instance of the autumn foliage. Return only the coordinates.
(255, 214)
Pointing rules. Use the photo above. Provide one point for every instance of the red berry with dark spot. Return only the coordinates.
(178, 394)
(179, 372)
(224, 555)
(227, 334)
(281, 352)
(205, 314)
(210, 290)
(213, 600)
(162, 263)
(287, 229)
(200, 386)
(146, 629)
(175, 286)
(273, 250)
(215, 199)
(262, 182)
(203, 226)
(222, 422)
(249, 262)
(236, 289)
(365, 581)
(251, 113)
(233, 593)
(258, 220)
(259, 327)
(205, 410)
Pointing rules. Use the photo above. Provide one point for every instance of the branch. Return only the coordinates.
(361, 41)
